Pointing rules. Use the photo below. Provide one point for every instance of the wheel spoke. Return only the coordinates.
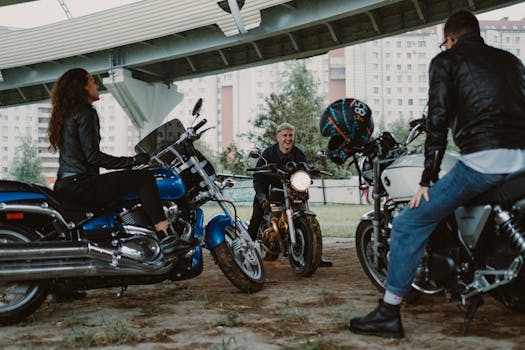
(244, 257)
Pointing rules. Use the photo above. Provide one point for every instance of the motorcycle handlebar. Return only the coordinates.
(257, 168)
(269, 168)
(199, 125)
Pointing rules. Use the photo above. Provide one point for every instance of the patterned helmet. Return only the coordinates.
(348, 122)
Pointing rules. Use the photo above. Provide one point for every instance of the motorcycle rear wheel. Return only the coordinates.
(18, 300)
(512, 296)
(305, 257)
(240, 262)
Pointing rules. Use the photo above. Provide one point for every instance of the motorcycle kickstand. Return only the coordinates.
(470, 311)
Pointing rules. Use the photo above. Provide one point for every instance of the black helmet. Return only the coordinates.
(348, 122)
(338, 149)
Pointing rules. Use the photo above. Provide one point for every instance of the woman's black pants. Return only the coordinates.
(99, 190)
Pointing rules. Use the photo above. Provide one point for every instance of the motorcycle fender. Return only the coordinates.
(216, 230)
(298, 214)
(368, 216)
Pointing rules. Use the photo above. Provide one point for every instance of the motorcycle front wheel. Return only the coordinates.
(364, 241)
(18, 300)
(239, 261)
(305, 256)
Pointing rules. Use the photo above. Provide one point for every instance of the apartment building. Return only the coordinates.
(389, 74)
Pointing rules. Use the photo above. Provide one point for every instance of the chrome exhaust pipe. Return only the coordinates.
(42, 250)
(45, 260)
(71, 269)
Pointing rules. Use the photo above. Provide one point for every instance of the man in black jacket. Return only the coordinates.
(479, 92)
(280, 153)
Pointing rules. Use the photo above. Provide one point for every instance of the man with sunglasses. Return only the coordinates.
(479, 92)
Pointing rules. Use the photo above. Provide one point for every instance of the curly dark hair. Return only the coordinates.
(67, 96)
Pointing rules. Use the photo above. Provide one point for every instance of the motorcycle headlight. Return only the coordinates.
(300, 181)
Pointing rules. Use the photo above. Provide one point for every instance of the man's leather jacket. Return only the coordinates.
(273, 154)
(479, 92)
(80, 151)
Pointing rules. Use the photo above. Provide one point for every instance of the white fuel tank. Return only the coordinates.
(401, 178)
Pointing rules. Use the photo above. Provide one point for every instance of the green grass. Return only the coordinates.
(337, 220)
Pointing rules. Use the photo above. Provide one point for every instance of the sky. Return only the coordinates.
(42, 12)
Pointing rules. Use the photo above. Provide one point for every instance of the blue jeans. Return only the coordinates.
(412, 228)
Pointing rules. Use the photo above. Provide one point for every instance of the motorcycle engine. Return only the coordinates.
(271, 240)
(139, 248)
(137, 216)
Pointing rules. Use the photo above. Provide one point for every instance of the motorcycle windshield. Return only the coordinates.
(163, 136)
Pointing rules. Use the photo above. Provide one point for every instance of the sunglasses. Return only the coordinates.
(443, 45)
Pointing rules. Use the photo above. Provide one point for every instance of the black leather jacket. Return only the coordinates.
(479, 92)
(273, 154)
(80, 152)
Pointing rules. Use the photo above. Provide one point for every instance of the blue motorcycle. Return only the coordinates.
(48, 243)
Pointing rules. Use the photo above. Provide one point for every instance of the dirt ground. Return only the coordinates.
(207, 312)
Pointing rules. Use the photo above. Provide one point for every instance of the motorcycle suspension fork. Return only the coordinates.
(376, 220)
(289, 216)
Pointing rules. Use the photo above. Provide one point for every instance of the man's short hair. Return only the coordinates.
(460, 23)
(285, 126)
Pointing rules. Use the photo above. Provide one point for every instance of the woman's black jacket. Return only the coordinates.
(80, 151)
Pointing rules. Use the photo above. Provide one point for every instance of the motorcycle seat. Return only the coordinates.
(65, 203)
(506, 193)
(56, 201)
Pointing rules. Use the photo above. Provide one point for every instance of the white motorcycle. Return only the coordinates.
(479, 249)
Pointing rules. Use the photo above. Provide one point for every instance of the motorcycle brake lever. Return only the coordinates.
(203, 131)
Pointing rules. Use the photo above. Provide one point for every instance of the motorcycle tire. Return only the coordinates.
(512, 296)
(20, 299)
(363, 244)
(306, 255)
(238, 269)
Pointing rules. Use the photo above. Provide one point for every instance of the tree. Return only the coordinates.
(235, 160)
(298, 104)
(26, 164)
(400, 129)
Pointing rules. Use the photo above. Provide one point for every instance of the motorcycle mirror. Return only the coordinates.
(255, 153)
(197, 108)
(388, 140)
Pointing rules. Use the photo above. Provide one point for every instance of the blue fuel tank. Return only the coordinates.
(169, 182)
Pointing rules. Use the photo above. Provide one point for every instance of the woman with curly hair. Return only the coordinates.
(74, 131)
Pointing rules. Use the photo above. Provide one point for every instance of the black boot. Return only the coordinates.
(384, 321)
(326, 263)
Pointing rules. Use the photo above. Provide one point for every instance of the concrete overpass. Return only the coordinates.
(139, 51)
